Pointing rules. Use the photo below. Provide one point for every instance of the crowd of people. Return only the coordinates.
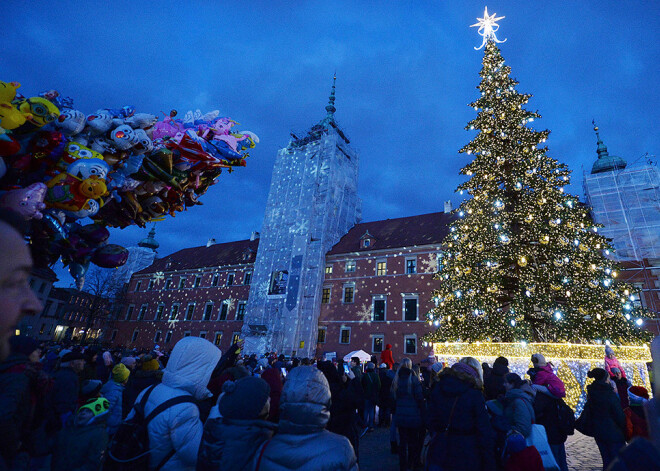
(74, 408)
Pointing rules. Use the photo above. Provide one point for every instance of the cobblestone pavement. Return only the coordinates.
(581, 451)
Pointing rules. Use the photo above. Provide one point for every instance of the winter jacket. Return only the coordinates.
(546, 377)
(637, 419)
(81, 447)
(528, 459)
(494, 382)
(274, 379)
(608, 419)
(639, 455)
(384, 399)
(14, 404)
(302, 443)
(466, 441)
(66, 387)
(613, 363)
(519, 410)
(113, 392)
(371, 386)
(187, 374)
(231, 445)
(386, 356)
(408, 400)
(138, 382)
(546, 410)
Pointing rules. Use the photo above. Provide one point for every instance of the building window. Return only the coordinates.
(168, 336)
(235, 338)
(174, 312)
(278, 281)
(186, 333)
(240, 311)
(636, 296)
(217, 339)
(202, 334)
(321, 335)
(224, 307)
(345, 335)
(378, 308)
(325, 296)
(182, 282)
(129, 312)
(42, 288)
(328, 269)
(411, 266)
(168, 283)
(230, 279)
(143, 311)
(190, 310)
(208, 310)
(216, 279)
(350, 266)
(134, 337)
(247, 278)
(157, 336)
(150, 286)
(349, 293)
(377, 342)
(43, 327)
(410, 344)
(198, 281)
(410, 307)
(366, 243)
(138, 285)
(381, 268)
(159, 312)
(113, 336)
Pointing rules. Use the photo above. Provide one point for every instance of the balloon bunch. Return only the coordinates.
(116, 166)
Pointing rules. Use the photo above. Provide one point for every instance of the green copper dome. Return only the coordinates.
(150, 241)
(606, 162)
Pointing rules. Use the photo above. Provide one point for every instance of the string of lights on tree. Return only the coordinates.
(524, 261)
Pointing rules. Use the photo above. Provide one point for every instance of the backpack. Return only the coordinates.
(566, 418)
(129, 447)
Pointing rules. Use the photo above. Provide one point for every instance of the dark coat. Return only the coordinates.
(546, 409)
(371, 386)
(66, 387)
(469, 441)
(229, 445)
(14, 404)
(80, 447)
(384, 398)
(409, 405)
(138, 381)
(494, 382)
(609, 421)
(639, 455)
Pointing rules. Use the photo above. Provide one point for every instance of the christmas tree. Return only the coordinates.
(524, 260)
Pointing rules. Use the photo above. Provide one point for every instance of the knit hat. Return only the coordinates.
(90, 387)
(371, 366)
(608, 350)
(98, 405)
(615, 370)
(243, 399)
(465, 368)
(151, 364)
(383, 365)
(515, 443)
(436, 367)
(129, 361)
(599, 374)
(23, 344)
(71, 356)
(539, 360)
(120, 373)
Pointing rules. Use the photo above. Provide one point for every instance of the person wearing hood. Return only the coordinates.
(612, 362)
(113, 391)
(409, 410)
(606, 415)
(386, 356)
(519, 404)
(494, 380)
(302, 443)
(178, 429)
(80, 446)
(237, 426)
(462, 437)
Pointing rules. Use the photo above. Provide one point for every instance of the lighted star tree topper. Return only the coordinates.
(524, 261)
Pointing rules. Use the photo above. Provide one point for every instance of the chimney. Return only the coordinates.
(210, 242)
(254, 236)
(448, 207)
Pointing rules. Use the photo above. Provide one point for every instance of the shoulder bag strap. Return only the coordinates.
(261, 454)
(166, 405)
(451, 414)
(139, 406)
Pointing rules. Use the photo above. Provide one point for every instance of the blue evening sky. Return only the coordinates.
(406, 71)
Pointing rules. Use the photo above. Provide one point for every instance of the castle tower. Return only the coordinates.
(312, 203)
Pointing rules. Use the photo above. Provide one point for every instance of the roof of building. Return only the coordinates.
(150, 242)
(605, 161)
(425, 229)
(216, 255)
